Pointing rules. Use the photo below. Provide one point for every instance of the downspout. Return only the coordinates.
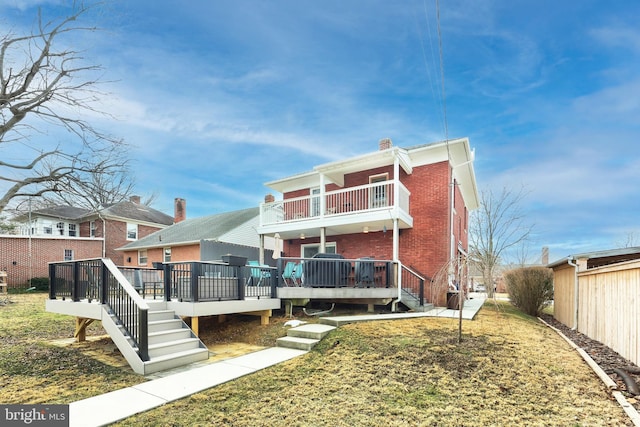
(572, 263)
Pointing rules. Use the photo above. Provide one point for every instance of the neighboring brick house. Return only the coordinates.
(206, 238)
(67, 233)
(404, 204)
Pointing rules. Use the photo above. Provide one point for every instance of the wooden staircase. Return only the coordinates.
(304, 337)
(171, 342)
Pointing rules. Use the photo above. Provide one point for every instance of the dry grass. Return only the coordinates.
(509, 370)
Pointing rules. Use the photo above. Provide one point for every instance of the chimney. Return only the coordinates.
(135, 199)
(269, 198)
(180, 210)
(545, 255)
(385, 143)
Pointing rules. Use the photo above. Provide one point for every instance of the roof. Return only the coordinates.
(137, 212)
(122, 210)
(212, 227)
(600, 258)
(60, 212)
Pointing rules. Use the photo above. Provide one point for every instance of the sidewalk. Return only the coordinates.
(117, 405)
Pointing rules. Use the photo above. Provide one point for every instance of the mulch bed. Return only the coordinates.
(604, 356)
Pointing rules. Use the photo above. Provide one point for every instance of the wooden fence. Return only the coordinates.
(608, 305)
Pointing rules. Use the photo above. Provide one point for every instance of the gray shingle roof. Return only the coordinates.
(195, 229)
(136, 212)
(62, 212)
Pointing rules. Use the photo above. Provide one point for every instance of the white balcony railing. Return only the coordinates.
(347, 201)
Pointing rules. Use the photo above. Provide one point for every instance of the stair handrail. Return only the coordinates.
(119, 300)
(415, 275)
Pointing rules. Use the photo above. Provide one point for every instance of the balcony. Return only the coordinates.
(343, 211)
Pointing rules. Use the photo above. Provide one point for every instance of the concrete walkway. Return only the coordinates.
(117, 405)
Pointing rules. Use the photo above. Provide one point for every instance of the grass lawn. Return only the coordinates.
(509, 370)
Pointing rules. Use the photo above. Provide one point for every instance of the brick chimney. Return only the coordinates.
(180, 210)
(269, 198)
(385, 143)
(135, 199)
(545, 255)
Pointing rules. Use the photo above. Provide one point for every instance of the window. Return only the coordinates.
(92, 229)
(132, 231)
(68, 254)
(60, 228)
(142, 257)
(72, 230)
(378, 193)
(308, 251)
(47, 227)
(167, 254)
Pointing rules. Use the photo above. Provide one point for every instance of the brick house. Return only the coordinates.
(67, 233)
(205, 238)
(403, 204)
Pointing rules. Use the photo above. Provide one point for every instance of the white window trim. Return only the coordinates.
(127, 235)
(146, 257)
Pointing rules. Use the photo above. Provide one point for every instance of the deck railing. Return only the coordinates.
(100, 280)
(213, 281)
(412, 284)
(359, 199)
(336, 272)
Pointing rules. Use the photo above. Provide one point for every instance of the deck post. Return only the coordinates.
(195, 326)
(81, 328)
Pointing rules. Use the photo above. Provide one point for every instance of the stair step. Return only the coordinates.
(297, 343)
(171, 347)
(169, 335)
(163, 325)
(313, 330)
(162, 363)
(161, 315)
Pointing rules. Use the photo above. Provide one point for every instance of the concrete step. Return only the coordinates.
(315, 331)
(162, 363)
(163, 325)
(172, 347)
(297, 343)
(169, 335)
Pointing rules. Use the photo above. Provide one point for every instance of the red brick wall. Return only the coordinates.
(116, 232)
(425, 247)
(178, 253)
(43, 250)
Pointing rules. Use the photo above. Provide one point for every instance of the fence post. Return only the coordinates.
(143, 338)
(241, 290)
(76, 283)
(195, 273)
(52, 281)
(104, 283)
(421, 292)
(167, 282)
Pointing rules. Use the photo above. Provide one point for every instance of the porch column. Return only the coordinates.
(323, 240)
(261, 250)
(396, 240)
(323, 207)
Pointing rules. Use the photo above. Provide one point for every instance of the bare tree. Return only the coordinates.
(103, 182)
(51, 84)
(632, 239)
(497, 226)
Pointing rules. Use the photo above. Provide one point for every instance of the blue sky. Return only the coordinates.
(218, 97)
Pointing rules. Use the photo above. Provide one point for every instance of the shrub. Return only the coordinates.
(530, 288)
(40, 283)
